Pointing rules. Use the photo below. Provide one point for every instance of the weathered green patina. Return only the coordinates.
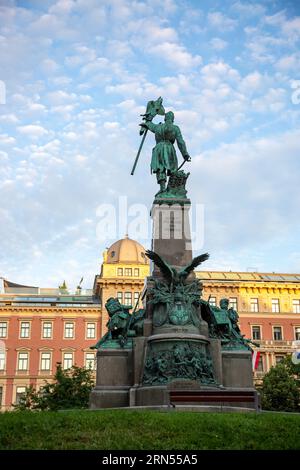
(164, 159)
(176, 300)
(223, 324)
(176, 192)
(184, 360)
(122, 326)
(153, 108)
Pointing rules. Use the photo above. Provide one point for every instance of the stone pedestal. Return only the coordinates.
(237, 369)
(171, 231)
(114, 378)
(175, 363)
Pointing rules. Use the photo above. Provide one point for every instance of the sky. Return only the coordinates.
(75, 75)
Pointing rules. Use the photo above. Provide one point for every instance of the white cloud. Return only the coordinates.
(220, 21)
(35, 107)
(273, 101)
(252, 82)
(61, 97)
(217, 72)
(49, 66)
(247, 10)
(176, 55)
(33, 131)
(81, 158)
(292, 28)
(289, 62)
(6, 139)
(111, 125)
(276, 19)
(218, 44)
(9, 118)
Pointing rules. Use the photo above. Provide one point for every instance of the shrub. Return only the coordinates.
(71, 389)
(280, 390)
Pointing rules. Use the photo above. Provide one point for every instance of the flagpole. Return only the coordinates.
(139, 151)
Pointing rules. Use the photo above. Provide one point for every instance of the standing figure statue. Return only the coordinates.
(164, 159)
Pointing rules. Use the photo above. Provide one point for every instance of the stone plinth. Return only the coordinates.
(171, 231)
(114, 378)
(237, 369)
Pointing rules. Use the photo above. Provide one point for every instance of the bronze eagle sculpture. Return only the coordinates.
(171, 274)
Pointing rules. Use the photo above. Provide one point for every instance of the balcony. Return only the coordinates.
(273, 345)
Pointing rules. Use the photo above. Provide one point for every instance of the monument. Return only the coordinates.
(178, 351)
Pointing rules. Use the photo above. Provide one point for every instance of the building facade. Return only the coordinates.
(41, 327)
(269, 309)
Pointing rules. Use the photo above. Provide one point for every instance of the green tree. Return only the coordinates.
(280, 390)
(71, 389)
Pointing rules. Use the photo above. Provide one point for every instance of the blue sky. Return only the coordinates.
(78, 74)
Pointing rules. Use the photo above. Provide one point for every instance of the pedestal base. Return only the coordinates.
(109, 397)
(114, 378)
(237, 369)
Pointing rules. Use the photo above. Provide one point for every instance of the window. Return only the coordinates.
(253, 305)
(296, 306)
(128, 298)
(68, 360)
(136, 297)
(3, 329)
(90, 330)
(136, 272)
(277, 333)
(275, 306)
(90, 361)
(23, 361)
(120, 297)
(69, 330)
(233, 303)
(213, 301)
(1, 396)
(128, 272)
(120, 271)
(256, 332)
(260, 365)
(297, 333)
(25, 327)
(2, 360)
(278, 359)
(19, 393)
(45, 361)
(47, 330)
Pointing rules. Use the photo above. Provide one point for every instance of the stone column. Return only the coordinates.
(171, 231)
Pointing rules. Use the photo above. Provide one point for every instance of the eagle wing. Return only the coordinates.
(161, 264)
(194, 263)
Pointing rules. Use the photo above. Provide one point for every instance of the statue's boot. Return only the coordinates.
(162, 187)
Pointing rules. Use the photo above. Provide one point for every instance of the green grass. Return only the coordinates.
(133, 430)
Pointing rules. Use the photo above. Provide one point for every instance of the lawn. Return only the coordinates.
(146, 430)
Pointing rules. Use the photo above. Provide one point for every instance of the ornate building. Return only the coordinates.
(40, 327)
(268, 306)
(123, 272)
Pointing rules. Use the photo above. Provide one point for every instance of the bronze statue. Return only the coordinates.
(121, 324)
(164, 159)
(170, 273)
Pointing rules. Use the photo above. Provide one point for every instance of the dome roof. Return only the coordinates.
(127, 251)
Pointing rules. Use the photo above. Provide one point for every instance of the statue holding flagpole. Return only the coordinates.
(164, 161)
